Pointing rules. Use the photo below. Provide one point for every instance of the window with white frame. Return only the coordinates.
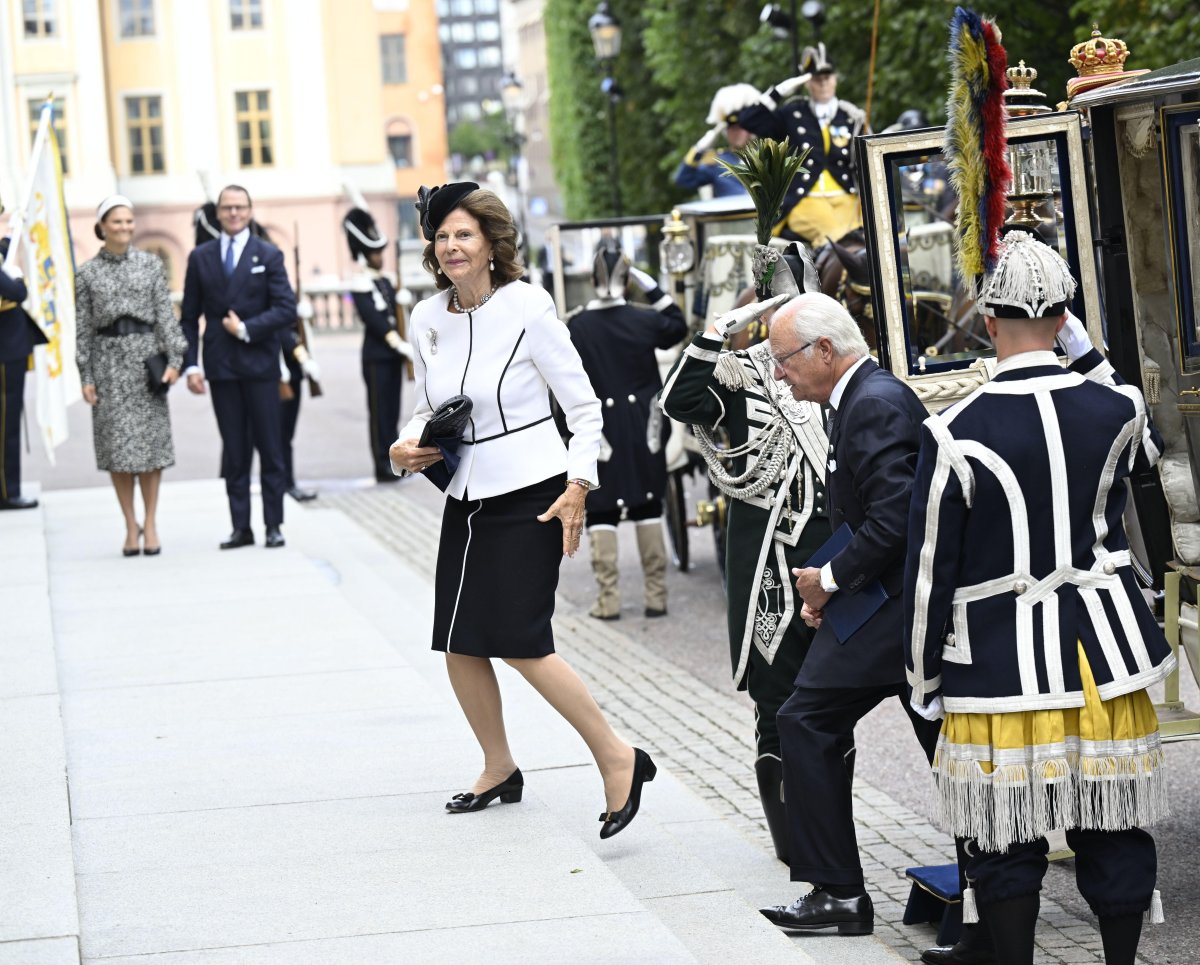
(40, 18)
(144, 132)
(245, 14)
(391, 55)
(137, 18)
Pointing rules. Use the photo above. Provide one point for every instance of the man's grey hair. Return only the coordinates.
(813, 315)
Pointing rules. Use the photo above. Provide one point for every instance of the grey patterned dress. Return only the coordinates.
(131, 426)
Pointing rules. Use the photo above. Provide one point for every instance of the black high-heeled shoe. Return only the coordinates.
(509, 792)
(643, 771)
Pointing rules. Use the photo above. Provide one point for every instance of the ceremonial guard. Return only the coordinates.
(771, 471)
(700, 166)
(385, 353)
(1026, 625)
(298, 366)
(18, 335)
(616, 342)
(822, 202)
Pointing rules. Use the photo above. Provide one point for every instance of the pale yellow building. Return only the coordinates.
(165, 101)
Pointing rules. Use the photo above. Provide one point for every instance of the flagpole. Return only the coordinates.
(17, 222)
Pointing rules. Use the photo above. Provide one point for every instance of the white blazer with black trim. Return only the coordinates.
(1016, 545)
(508, 355)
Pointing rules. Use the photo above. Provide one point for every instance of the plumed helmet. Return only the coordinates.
(362, 234)
(204, 220)
(433, 204)
(259, 231)
(815, 61)
(727, 101)
(1030, 280)
(794, 271)
(610, 270)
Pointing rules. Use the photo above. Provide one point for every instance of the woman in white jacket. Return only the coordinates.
(497, 339)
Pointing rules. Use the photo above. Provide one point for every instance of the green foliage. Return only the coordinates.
(676, 53)
(766, 168)
(488, 137)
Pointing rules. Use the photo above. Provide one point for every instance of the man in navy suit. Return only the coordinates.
(874, 435)
(18, 334)
(239, 284)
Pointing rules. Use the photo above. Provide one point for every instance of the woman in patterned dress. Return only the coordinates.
(125, 316)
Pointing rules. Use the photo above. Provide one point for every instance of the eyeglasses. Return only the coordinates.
(780, 359)
(233, 208)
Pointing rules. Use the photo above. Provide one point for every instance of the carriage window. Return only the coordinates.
(1181, 143)
(942, 327)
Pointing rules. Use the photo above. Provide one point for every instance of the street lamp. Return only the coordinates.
(785, 24)
(606, 38)
(511, 93)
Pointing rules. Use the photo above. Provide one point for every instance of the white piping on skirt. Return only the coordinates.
(462, 577)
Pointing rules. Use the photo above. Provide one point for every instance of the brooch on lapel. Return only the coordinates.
(433, 337)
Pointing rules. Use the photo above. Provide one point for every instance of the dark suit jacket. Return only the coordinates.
(261, 295)
(18, 332)
(875, 440)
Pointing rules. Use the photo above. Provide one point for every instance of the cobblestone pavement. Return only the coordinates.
(702, 736)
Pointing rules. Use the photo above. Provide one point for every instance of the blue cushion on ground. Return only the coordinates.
(940, 879)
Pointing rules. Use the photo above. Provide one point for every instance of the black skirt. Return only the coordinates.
(497, 572)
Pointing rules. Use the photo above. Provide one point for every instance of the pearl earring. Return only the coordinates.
(438, 269)
(491, 265)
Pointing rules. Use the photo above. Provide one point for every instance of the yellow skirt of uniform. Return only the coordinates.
(1012, 777)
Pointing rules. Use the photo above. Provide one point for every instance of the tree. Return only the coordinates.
(488, 138)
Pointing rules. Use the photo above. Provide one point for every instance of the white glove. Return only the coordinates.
(398, 345)
(304, 310)
(311, 369)
(14, 271)
(644, 281)
(707, 141)
(1073, 339)
(404, 298)
(741, 318)
(786, 88)
(933, 711)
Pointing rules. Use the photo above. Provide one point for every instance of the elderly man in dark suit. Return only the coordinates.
(18, 335)
(239, 284)
(874, 434)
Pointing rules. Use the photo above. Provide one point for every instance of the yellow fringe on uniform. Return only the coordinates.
(1012, 777)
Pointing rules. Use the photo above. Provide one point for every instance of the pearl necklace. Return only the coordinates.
(473, 308)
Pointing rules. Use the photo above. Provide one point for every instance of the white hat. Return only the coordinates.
(1030, 280)
(112, 201)
(729, 100)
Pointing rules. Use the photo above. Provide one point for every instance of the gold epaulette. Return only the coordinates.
(7, 306)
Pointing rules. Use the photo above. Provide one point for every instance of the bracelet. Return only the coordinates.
(582, 483)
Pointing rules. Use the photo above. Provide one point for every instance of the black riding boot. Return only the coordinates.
(1120, 934)
(769, 771)
(1011, 923)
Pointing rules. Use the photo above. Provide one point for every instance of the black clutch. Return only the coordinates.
(445, 430)
(156, 368)
(449, 421)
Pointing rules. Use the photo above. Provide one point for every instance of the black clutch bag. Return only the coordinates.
(445, 430)
(156, 368)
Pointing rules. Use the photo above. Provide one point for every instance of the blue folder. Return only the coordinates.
(847, 612)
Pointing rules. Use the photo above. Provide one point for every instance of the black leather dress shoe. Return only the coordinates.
(18, 502)
(239, 537)
(386, 477)
(643, 771)
(301, 495)
(274, 538)
(509, 792)
(819, 909)
(957, 955)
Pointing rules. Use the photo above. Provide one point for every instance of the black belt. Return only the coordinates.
(126, 325)
(475, 442)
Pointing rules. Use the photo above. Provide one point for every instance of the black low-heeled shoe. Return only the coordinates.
(509, 792)
(643, 771)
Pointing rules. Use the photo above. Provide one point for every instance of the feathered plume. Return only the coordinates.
(766, 169)
(976, 150)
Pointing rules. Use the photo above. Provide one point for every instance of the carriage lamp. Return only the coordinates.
(676, 252)
(1032, 162)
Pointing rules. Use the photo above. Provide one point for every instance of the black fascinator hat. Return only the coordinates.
(437, 202)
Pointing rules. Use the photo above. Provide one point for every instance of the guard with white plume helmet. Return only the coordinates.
(701, 165)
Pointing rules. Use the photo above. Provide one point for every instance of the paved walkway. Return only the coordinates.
(242, 758)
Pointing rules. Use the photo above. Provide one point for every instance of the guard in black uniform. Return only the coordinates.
(18, 335)
(822, 203)
(616, 342)
(384, 351)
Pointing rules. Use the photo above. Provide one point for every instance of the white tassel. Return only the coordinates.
(729, 372)
(970, 912)
(1156, 911)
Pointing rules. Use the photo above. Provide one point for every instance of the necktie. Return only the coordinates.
(830, 423)
(229, 259)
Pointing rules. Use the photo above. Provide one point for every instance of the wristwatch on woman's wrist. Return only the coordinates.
(583, 483)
